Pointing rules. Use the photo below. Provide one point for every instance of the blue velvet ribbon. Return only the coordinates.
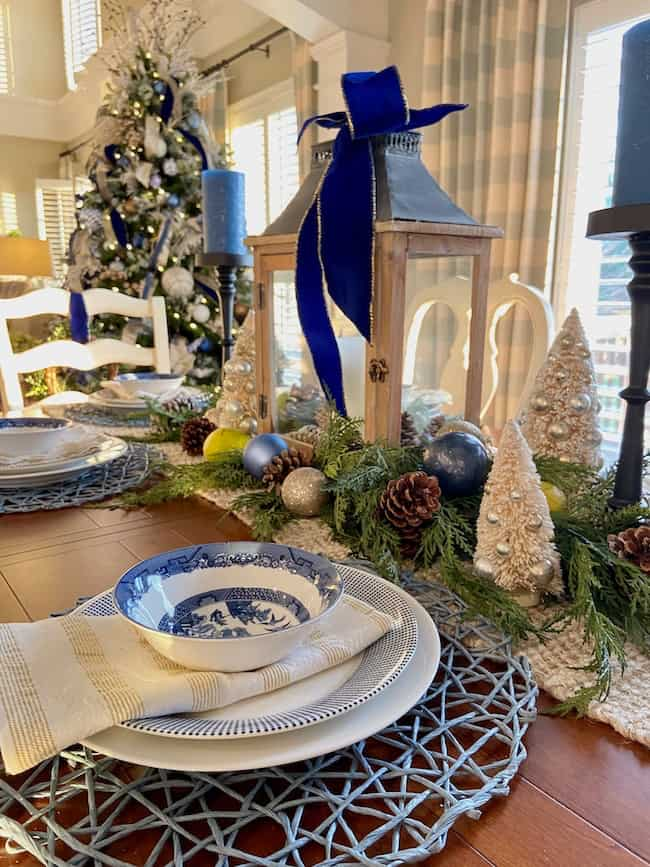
(78, 318)
(195, 141)
(207, 290)
(336, 239)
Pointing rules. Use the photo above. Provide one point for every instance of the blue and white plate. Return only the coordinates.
(325, 696)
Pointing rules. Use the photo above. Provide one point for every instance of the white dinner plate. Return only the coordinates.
(111, 449)
(87, 443)
(105, 400)
(309, 702)
(286, 747)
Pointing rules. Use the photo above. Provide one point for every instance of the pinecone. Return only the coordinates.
(632, 544)
(279, 467)
(408, 432)
(182, 403)
(194, 433)
(435, 423)
(308, 433)
(408, 503)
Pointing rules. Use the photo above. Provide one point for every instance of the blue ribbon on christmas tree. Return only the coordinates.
(337, 235)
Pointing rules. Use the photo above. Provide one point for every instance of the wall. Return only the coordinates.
(254, 71)
(37, 33)
(22, 160)
(407, 19)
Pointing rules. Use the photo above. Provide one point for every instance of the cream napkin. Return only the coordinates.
(66, 678)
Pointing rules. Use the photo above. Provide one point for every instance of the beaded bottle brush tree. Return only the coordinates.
(236, 407)
(515, 532)
(561, 419)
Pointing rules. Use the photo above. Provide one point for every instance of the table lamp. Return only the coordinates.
(224, 230)
(20, 259)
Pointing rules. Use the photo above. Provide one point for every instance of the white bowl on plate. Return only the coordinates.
(130, 385)
(21, 437)
(228, 607)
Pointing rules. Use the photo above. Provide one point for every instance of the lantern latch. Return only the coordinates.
(262, 406)
(260, 296)
(377, 370)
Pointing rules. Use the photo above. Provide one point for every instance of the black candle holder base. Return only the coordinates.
(631, 222)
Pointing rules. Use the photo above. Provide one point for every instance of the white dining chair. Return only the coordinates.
(450, 299)
(68, 353)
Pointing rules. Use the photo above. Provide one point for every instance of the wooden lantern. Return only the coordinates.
(415, 219)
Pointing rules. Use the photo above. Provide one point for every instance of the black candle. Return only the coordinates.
(632, 170)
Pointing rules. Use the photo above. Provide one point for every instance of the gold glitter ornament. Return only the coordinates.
(303, 492)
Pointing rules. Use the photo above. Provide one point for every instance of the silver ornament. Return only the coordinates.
(229, 366)
(249, 387)
(558, 430)
(483, 568)
(243, 367)
(540, 403)
(303, 491)
(561, 375)
(233, 407)
(580, 403)
(515, 495)
(248, 425)
(178, 283)
(584, 353)
(535, 522)
(492, 518)
(597, 406)
(503, 549)
(229, 385)
(542, 571)
(596, 438)
(567, 341)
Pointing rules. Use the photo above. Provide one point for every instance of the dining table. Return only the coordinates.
(580, 798)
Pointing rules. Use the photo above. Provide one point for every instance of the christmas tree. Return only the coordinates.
(515, 532)
(140, 224)
(236, 409)
(561, 419)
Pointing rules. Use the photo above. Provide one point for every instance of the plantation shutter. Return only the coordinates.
(282, 156)
(6, 58)
(591, 275)
(82, 34)
(249, 149)
(8, 213)
(56, 219)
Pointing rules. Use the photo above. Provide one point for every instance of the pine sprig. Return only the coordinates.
(337, 440)
(267, 510)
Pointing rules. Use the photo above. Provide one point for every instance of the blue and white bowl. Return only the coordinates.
(154, 384)
(21, 437)
(228, 607)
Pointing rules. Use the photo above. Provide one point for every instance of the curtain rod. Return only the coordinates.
(222, 64)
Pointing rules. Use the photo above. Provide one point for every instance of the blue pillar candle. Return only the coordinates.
(224, 215)
(632, 169)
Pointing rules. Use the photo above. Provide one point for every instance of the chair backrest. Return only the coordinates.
(67, 353)
(452, 297)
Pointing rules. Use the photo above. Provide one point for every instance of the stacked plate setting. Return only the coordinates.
(36, 452)
(131, 392)
(325, 712)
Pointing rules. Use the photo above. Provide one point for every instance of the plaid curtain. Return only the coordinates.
(497, 159)
(304, 76)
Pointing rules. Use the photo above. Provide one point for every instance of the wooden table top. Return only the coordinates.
(582, 798)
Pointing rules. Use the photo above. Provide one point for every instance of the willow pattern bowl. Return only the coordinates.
(228, 607)
(21, 437)
(130, 385)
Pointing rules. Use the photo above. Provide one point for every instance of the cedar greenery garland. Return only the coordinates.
(609, 596)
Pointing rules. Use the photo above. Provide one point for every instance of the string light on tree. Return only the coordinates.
(515, 532)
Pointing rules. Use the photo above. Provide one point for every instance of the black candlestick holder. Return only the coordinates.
(631, 222)
(226, 265)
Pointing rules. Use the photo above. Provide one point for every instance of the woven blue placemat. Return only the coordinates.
(119, 475)
(388, 800)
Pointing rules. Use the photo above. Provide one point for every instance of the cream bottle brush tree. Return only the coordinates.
(514, 531)
(561, 418)
(236, 409)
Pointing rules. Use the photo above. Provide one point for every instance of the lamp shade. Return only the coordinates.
(24, 257)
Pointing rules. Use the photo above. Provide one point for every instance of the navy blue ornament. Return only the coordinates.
(206, 345)
(138, 240)
(159, 86)
(173, 201)
(260, 450)
(459, 461)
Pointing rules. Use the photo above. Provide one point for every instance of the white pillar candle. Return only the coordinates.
(353, 361)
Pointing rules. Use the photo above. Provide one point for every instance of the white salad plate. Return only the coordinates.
(105, 399)
(76, 442)
(308, 702)
(109, 450)
(182, 754)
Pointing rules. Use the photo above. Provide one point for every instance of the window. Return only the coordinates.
(56, 219)
(593, 275)
(8, 213)
(263, 131)
(82, 34)
(6, 54)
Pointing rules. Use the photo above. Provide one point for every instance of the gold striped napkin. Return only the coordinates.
(66, 678)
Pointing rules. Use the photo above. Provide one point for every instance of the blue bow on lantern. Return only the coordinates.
(337, 235)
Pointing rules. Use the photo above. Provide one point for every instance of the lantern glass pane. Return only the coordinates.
(436, 337)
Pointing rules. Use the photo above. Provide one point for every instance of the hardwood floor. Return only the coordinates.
(582, 798)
